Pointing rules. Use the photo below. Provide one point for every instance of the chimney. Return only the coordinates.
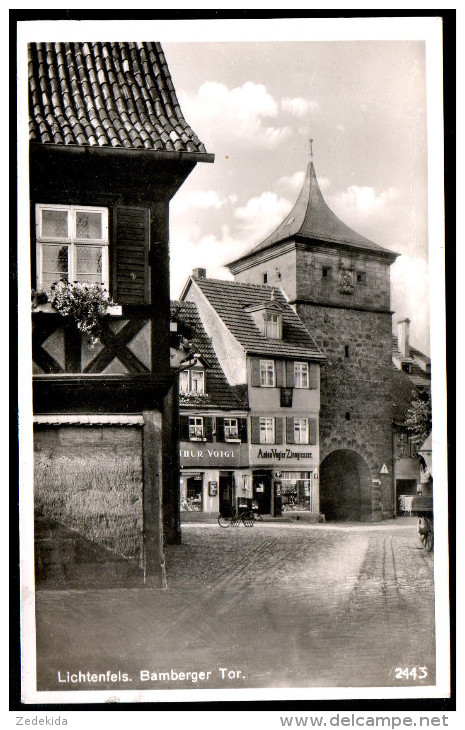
(403, 337)
(199, 273)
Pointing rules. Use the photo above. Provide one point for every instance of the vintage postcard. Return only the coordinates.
(232, 365)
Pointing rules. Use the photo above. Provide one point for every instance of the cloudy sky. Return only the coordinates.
(255, 105)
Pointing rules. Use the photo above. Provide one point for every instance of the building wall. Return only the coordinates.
(360, 385)
(311, 285)
(87, 491)
(228, 350)
(279, 270)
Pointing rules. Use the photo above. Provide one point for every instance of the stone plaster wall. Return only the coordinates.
(360, 385)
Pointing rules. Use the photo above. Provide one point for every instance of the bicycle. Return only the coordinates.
(247, 517)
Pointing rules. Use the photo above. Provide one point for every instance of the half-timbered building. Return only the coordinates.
(109, 147)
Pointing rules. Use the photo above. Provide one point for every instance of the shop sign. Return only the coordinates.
(208, 453)
(282, 454)
(212, 489)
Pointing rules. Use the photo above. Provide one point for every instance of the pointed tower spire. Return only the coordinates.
(312, 220)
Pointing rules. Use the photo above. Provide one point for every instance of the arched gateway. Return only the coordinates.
(345, 486)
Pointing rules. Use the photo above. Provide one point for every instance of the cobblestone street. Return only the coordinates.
(281, 605)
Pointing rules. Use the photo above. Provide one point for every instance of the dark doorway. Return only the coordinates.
(261, 481)
(345, 487)
(225, 493)
(404, 487)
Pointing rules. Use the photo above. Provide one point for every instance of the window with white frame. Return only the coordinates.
(231, 431)
(301, 375)
(267, 430)
(267, 374)
(72, 244)
(301, 430)
(195, 427)
(272, 326)
(192, 381)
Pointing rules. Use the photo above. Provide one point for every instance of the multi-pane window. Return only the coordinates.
(192, 381)
(197, 381)
(72, 244)
(301, 375)
(301, 430)
(195, 427)
(296, 490)
(272, 326)
(267, 373)
(231, 430)
(267, 431)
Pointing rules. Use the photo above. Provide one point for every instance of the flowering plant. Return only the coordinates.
(85, 303)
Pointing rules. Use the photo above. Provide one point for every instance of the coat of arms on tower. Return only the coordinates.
(346, 284)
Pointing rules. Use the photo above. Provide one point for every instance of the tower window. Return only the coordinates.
(361, 277)
(326, 272)
(346, 350)
(347, 415)
(265, 278)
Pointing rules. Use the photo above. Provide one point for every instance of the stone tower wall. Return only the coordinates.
(358, 384)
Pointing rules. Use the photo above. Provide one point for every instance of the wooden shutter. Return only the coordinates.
(290, 373)
(184, 429)
(255, 365)
(255, 422)
(289, 430)
(312, 431)
(220, 429)
(130, 275)
(279, 366)
(313, 376)
(208, 428)
(278, 430)
(243, 430)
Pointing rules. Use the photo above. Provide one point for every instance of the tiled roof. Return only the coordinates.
(220, 393)
(311, 218)
(231, 298)
(105, 95)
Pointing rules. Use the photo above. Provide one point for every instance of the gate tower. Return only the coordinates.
(339, 284)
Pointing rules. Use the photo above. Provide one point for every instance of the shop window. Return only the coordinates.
(267, 435)
(196, 428)
(72, 244)
(231, 430)
(301, 373)
(267, 374)
(273, 326)
(192, 381)
(301, 430)
(296, 491)
(192, 493)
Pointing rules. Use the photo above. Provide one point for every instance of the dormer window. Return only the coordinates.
(406, 367)
(273, 326)
(192, 381)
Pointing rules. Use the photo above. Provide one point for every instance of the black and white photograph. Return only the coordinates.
(232, 360)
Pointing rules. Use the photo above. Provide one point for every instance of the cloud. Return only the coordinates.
(363, 206)
(223, 115)
(263, 213)
(409, 297)
(204, 199)
(298, 106)
(294, 181)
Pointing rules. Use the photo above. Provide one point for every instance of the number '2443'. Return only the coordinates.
(411, 672)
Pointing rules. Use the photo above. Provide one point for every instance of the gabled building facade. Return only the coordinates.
(264, 349)
(339, 285)
(411, 380)
(109, 147)
(213, 429)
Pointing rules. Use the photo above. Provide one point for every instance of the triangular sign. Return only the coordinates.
(384, 469)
